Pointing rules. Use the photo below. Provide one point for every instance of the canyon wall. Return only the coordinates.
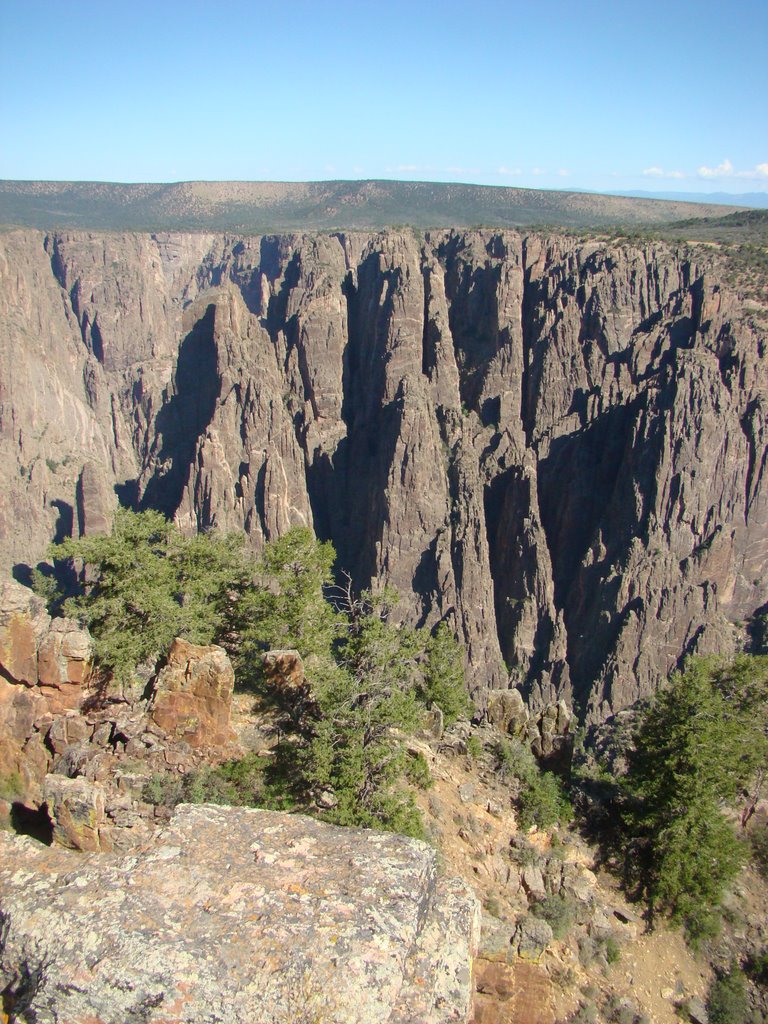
(556, 446)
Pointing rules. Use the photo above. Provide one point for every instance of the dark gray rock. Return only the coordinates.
(556, 446)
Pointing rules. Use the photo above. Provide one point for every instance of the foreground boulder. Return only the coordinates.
(286, 920)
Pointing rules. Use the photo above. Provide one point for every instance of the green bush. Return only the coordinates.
(758, 841)
(559, 912)
(515, 760)
(417, 772)
(543, 802)
(474, 748)
(727, 1000)
(244, 782)
(758, 968)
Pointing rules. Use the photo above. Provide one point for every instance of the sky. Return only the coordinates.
(661, 96)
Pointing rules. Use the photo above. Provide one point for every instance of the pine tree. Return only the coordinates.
(695, 748)
(146, 584)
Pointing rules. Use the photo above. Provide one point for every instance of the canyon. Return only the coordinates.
(555, 444)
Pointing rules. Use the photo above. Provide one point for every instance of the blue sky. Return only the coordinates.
(662, 96)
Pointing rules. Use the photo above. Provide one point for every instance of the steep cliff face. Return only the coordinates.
(557, 446)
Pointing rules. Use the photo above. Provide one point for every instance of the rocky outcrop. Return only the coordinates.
(556, 446)
(82, 757)
(191, 697)
(287, 920)
(44, 670)
(547, 733)
(77, 811)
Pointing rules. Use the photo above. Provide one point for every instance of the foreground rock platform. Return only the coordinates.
(231, 916)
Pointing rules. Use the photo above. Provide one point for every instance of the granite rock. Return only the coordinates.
(287, 919)
(191, 698)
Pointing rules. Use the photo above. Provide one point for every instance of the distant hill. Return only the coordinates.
(756, 200)
(258, 207)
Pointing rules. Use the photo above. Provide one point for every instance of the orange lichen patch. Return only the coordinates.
(182, 998)
(295, 889)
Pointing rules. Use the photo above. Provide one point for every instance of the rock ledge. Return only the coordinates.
(233, 916)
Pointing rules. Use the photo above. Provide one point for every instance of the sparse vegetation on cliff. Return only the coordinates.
(369, 678)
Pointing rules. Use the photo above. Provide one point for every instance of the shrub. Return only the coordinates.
(559, 912)
(543, 802)
(727, 1000)
(417, 771)
(758, 841)
(474, 748)
(758, 968)
(515, 760)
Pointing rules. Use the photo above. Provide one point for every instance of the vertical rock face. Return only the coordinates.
(558, 447)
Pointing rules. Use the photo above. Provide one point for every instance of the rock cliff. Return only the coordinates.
(557, 445)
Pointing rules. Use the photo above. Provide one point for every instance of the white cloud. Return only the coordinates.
(563, 173)
(538, 170)
(727, 170)
(509, 170)
(659, 172)
(723, 170)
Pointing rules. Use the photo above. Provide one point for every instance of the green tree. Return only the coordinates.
(358, 752)
(369, 679)
(727, 1001)
(443, 680)
(698, 744)
(287, 609)
(145, 584)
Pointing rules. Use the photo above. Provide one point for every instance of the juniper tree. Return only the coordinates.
(698, 744)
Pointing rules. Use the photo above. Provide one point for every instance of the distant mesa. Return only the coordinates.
(259, 207)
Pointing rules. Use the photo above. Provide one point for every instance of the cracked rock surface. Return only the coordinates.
(235, 916)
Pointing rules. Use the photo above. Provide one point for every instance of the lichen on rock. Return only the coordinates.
(241, 917)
